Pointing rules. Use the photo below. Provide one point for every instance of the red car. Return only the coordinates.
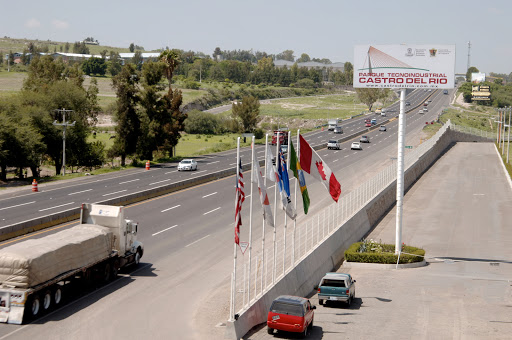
(290, 314)
(368, 124)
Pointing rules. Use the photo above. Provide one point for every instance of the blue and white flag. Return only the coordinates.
(284, 186)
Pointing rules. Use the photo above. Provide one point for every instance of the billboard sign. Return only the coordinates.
(481, 92)
(477, 77)
(404, 66)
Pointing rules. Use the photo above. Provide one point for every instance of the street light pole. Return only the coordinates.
(64, 124)
(508, 137)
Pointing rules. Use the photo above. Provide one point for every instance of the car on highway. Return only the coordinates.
(382, 128)
(333, 144)
(420, 111)
(364, 139)
(356, 146)
(338, 129)
(368, 124)
(373, 121)
(291, 314)
(407, 103)
(336, 287)
(445, 92)
(187, 165)
(425, 109)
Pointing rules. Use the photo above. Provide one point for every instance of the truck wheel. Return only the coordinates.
(270, 330)
(57, 295)
(321, 302)
(115, 269)
(47, 300)
(107, 272)
(35, 305)
(136, 261)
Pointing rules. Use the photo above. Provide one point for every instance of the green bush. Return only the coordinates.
(258, 133)
(381, 253)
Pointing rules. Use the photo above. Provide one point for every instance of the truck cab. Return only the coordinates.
(283, 137)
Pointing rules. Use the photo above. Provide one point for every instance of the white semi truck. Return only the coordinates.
(36, 275)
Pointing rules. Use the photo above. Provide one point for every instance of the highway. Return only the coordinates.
(181, 288)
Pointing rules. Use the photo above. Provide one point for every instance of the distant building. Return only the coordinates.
(309, 65)
(145, 56)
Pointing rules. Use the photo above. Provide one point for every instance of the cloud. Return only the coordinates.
(32, 23)
(59, 24)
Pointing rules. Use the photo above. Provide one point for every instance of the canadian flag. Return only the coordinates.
(311, 163)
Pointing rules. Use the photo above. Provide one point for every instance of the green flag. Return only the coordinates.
(299, 174)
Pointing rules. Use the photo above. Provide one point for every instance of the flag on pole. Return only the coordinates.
(311, 163)
(284, 186)
(273, 174)
(240, 198)
(265, 203)
(299, 174)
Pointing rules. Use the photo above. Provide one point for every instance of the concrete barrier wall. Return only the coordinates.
(302, 279)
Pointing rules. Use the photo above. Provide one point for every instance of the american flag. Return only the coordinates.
(240, 198)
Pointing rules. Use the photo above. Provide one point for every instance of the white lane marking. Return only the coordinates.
(133, 180)
(198, 172)
(346, 156)
(213, 193)
(335, 160)
(202, 238)
(161, 231)
(17, 205)
(179, 205)
(478, 194)
(233, 164)
(113, 193)
(212, 162)
(79, 192)
(206, 213)
(165, 180)
(355, 152)
(261, 151)
(57, 206)
(271, 186)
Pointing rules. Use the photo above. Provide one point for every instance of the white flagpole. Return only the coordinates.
(264, 273)
(250, 223)
(275, 214)
(233, 278)
(295, 221)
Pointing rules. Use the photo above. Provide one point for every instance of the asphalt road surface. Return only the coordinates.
(181, 288)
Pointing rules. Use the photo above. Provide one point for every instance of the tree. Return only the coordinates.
(303, 58)
(472, 69)
(132, 47)
(80, 48)
(66, 47)
(200, 122)
(114, 64)
(369, 96)
(216, 52)
(171, 60)
(94, 66)
(246, 114)
(137, 60)
(128, 122)
(286, 55)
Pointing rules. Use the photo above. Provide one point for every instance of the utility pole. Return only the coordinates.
(64, 124)
(469, 56)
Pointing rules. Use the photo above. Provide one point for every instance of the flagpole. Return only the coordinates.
(295, 221)
(250, 223)
(275, 214)
(263, 224)
(233, 278)
(286, 215)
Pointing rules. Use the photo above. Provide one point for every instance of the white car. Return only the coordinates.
(187, 164)
(356, 146)
(333, 144)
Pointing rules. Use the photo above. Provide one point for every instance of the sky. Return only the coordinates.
(322, 28)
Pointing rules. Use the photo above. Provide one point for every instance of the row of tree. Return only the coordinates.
(147, 119)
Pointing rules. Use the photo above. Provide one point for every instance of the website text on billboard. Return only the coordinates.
(404, 66)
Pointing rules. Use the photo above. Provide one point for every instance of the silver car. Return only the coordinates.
(187, 164)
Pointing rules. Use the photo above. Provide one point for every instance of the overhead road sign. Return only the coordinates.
(404, 66)
(481, 92)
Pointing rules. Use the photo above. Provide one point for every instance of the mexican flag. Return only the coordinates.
(311, 163)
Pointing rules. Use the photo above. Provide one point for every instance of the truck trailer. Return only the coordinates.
(36, 275)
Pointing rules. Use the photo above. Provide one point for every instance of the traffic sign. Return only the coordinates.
(243, 246)
(408, 146)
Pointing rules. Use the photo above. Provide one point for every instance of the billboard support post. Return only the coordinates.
(400, 173)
